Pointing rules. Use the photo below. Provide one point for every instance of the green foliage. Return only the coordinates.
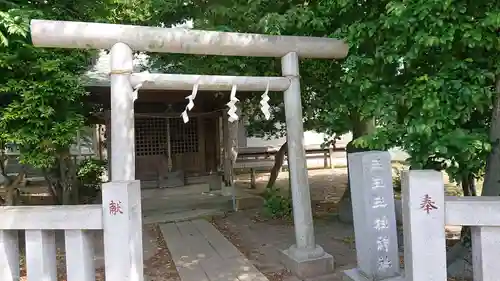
(396, 179)
(90, 172)
(12, 24)
(423, 69)
(41, 92)
(438, 106)
(89, 175)
(276, 205)
(272, 18)
(146, 12)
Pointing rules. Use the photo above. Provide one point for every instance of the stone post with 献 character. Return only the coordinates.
(122, 227)
(372, 197)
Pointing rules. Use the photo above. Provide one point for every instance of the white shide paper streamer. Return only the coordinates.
(144, 79)
(232, 105)
(190, 104)
(264, 105)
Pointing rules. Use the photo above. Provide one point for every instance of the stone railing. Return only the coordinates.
(425, 211)
(40, 223)
(119, 218)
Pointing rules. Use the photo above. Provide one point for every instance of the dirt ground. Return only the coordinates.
(245, 228)
(157, 267)
(326, 184)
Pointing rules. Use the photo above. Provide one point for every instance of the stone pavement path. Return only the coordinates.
(201, 253)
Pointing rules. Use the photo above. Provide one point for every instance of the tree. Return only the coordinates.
(41, 92)
(442, 100)
(420, 74)
(445, 82)
(336, 95)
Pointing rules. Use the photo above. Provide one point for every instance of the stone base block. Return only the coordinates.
(249, 202)
(215, 182)
(172, 179)
(305, 268)
(227, 190)
(355, 275)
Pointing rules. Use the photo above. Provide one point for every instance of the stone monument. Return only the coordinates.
(372, 198)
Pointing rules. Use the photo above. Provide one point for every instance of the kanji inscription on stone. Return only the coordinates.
(376, 164)
(379, 202)
(384, 263)
(377, 182)
(115, 208)
(428, 204)
(383, 243)
(381, 223)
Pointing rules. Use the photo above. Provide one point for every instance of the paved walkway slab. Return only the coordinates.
(201, 253)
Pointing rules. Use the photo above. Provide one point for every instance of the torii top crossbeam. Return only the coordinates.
(83, 35)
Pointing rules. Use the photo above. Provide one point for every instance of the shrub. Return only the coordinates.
(89, 174)
(276, 205)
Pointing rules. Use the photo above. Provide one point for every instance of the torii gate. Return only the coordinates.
(304, 258)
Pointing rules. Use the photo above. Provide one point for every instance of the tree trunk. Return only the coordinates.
(68, 178)
(10, 184)
(468, 185)
(279, 158)
(52, 183)
(491, 185)
(13, 188)
(73, 180)
(65, 184)
(359, 128)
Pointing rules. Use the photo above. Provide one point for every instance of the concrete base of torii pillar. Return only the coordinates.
(309, 263)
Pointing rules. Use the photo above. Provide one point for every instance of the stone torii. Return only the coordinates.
(304, 258)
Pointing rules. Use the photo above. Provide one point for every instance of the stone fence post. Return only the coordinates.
(122, 223)
(424, 222)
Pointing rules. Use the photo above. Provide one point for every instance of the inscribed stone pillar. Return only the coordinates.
(122, 220)
(372, 197)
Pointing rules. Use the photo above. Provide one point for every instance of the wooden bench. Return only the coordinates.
(259, 158)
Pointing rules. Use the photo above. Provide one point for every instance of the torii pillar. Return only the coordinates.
(304, 258)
